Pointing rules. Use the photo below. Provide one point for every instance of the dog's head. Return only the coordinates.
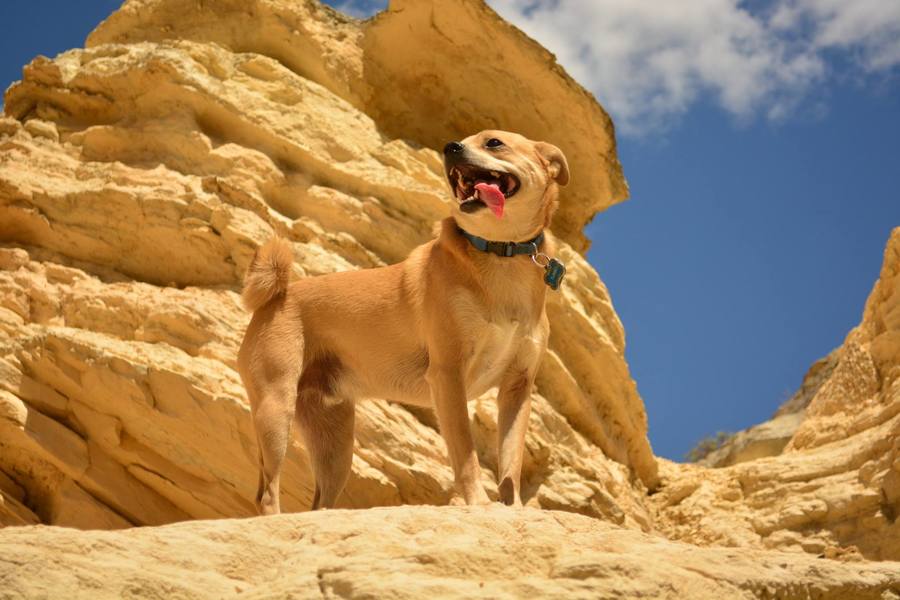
(504, 184)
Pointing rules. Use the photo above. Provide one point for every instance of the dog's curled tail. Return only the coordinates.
(268, 275)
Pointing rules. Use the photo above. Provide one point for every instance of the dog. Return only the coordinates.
(462, 314)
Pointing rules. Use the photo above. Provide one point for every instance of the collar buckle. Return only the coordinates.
(504, 249)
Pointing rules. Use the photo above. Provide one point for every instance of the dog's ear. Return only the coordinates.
(556, 162)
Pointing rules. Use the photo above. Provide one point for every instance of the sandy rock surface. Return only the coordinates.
(416, 552)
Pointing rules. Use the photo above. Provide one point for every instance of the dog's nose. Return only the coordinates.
(453, 148)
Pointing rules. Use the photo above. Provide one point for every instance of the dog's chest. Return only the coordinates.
(498, 342)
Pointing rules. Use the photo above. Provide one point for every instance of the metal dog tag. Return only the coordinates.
(554, 273)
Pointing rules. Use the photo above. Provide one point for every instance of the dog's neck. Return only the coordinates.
(491, 254)
(505, 248)
(514, 281)
(450, 229)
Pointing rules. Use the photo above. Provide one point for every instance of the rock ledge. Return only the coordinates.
(414, 552)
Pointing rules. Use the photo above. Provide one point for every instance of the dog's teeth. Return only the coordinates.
(495, 174)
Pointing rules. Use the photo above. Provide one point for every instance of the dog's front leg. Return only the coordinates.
(449, 399)
(513, 408)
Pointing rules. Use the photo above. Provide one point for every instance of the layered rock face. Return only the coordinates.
(137, 177)
(836, 480)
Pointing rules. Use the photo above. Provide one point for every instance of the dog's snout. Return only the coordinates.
(453, 148)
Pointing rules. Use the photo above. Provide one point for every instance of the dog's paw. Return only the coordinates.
(508, 494)
(477, 497)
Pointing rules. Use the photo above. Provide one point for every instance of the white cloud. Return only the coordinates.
(648, 61)
(869, 27)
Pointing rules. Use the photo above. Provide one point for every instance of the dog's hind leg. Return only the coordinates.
(269, 362)
(272, 421)
(326, 426)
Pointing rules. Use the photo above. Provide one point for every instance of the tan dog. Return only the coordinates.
(441, 327)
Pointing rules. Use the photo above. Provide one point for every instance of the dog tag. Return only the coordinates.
(554, 273)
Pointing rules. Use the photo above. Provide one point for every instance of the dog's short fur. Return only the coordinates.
(443, 326)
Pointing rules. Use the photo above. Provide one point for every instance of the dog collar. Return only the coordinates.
(554, 271)
(505, 248)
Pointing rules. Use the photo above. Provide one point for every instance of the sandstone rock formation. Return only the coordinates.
(427, 71)
(771, 437)
(138, 175)
(421, 552)
(837, 482)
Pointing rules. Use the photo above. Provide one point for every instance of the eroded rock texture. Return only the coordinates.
(771, 437)
(836, 483)
(416, 552)
(138, 175)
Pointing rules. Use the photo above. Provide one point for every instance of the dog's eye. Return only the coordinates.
(493, 143)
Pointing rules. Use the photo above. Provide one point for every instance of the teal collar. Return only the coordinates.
(505, 248)
(554, 271)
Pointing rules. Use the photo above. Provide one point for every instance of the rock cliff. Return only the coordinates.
(137, 177)
(771, 437)
(836, 480)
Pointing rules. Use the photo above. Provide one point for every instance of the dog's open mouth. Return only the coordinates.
(478, 188)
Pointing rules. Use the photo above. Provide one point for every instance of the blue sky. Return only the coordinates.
(761, 142)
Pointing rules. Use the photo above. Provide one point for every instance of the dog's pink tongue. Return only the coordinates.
(490, 194)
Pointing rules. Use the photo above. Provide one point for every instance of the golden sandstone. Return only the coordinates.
(137, 177)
